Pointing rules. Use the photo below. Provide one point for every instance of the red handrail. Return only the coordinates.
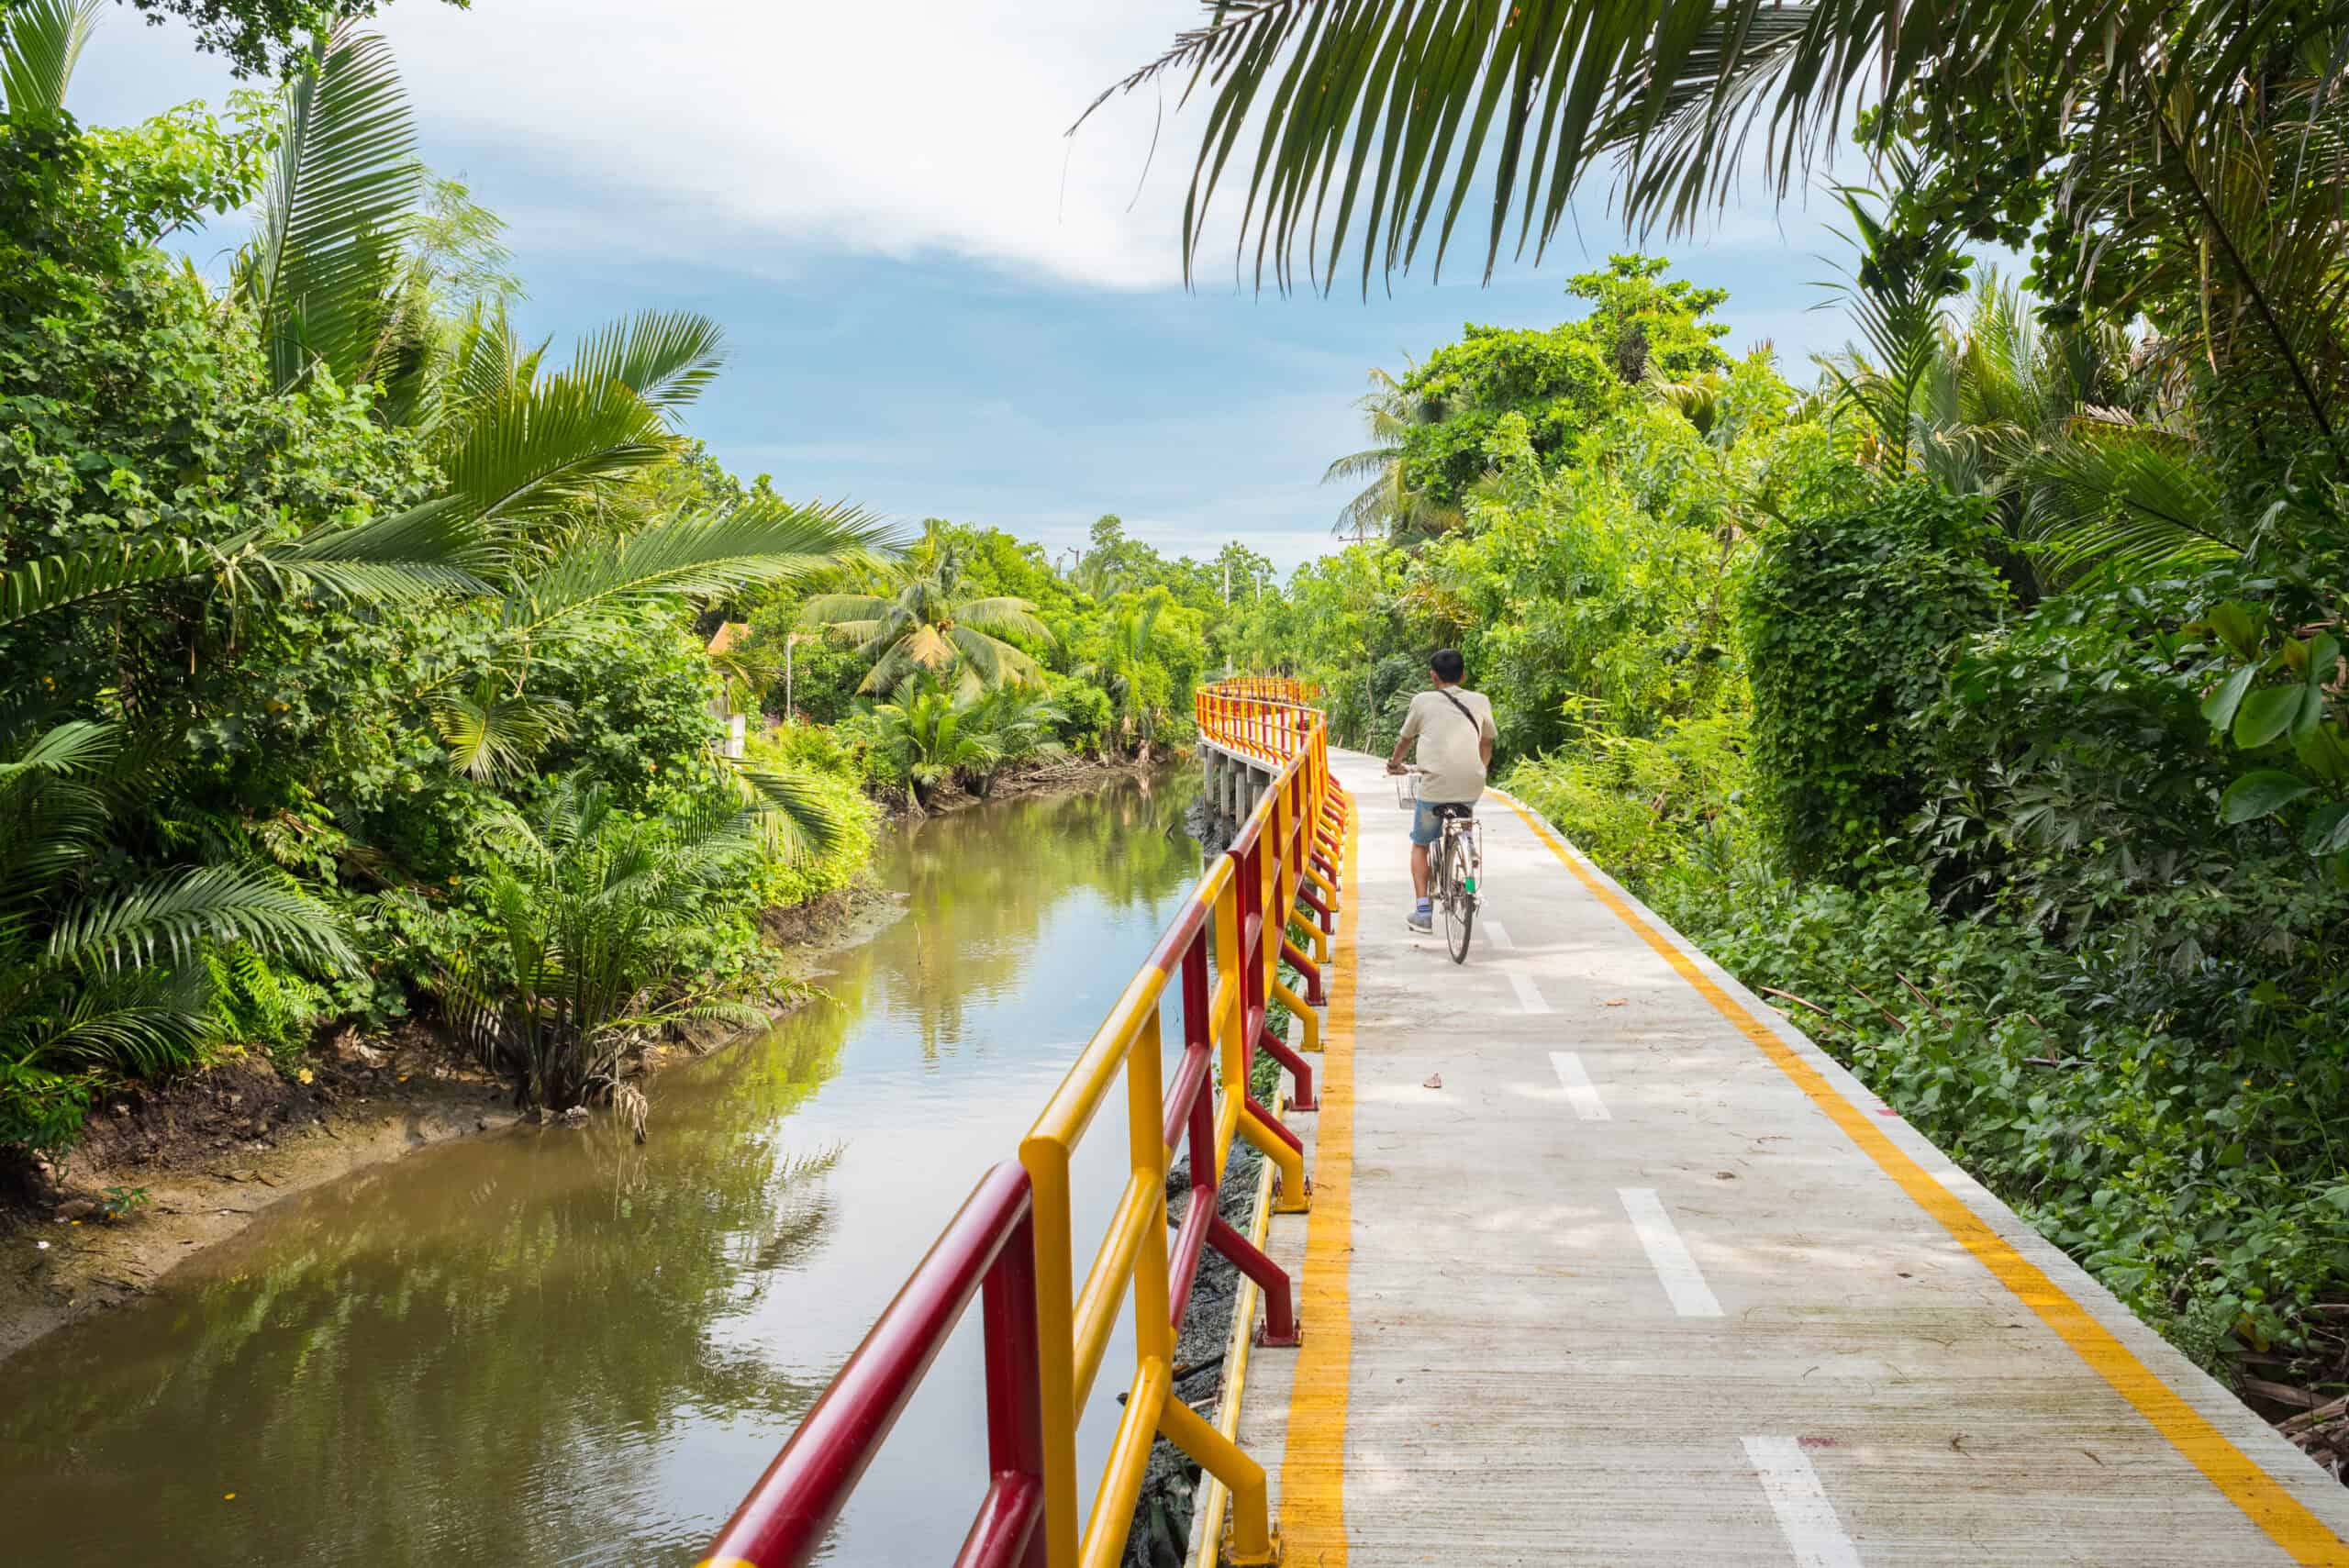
(988, 1245)
(1010, 1238)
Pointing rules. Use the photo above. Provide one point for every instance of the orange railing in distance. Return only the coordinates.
(1047, 1332)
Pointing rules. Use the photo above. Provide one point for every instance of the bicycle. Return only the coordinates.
(1456, 864)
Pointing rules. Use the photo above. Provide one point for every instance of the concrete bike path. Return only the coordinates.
(1609, 1265)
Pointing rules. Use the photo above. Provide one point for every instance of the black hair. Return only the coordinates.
(1447, 665)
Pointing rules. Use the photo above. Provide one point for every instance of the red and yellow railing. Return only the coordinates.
(1265, 716)
(1047, 1334)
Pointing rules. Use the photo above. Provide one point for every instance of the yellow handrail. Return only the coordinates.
(1224, 949)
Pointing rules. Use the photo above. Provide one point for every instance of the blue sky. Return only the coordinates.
(938, 304)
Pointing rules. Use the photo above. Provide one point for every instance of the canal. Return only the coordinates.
(555, 1346)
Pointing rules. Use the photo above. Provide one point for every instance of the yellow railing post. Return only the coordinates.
(1252, 1540)
(1046, 1160)
(1146, 1147)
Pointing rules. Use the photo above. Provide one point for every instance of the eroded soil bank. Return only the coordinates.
(165, 1172)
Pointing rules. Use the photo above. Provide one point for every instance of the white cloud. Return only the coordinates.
(898, 129)
(747, 130)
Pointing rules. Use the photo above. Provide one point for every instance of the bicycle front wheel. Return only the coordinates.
(1459, 894)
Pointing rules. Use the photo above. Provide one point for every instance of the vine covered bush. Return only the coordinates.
(1850, 621)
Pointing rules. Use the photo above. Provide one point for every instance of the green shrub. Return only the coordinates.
(809, 748)
(1850, 621)
(1087, 713)
(2194, 1177)
(1640, 805)
(781, 882)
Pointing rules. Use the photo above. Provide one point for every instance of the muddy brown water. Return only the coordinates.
(559, 1346)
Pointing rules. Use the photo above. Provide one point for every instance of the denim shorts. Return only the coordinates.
(1427, 822)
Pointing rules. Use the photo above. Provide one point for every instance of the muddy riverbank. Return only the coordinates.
(164, 1172)
(552, 1344)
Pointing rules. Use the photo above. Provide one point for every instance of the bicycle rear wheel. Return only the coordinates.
(1460, 896)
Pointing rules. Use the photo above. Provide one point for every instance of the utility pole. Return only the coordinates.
(1360, 535)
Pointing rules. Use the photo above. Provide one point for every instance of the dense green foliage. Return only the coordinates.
(1561, 381)
(362, 652)
(1983, 703)
(1849, 619)
(2015, 763)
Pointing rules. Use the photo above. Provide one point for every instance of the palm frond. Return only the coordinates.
(40, 42)
(1368, 463)
(1375, 123)
(995, 660)
(53, 813)
(1005, 614)
(487, 365)
(491, 734)
(2125, 498)
(665, 357)
(147, 1020)
(75, 748)
(849, 612)
(550, 444)
(1375, 505)
(792, 810)
(428, 549)
(930, 647)
(322, 265)
(171, 913)
(46, 585)
(759, 540)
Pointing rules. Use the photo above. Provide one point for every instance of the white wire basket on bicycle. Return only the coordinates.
(1407, 787)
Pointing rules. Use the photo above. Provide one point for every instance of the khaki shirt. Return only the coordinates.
(1454, 768)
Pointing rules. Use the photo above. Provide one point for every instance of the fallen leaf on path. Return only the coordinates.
(1435, 1081)
(1616, 1001)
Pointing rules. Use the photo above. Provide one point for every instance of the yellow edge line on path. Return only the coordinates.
(1313, 1467)
(2273, 1509)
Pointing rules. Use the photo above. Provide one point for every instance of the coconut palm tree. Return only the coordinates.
(1387, 503)
(923, 624)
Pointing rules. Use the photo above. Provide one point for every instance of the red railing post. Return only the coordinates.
(1015, 1411)
(783, 1522)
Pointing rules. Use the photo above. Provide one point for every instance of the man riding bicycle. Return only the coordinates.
(1455, 730)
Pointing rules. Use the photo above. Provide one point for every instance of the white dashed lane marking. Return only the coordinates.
(1805, 1515)
(1581, 1093)
(1528, 1000)
(1683, 1281)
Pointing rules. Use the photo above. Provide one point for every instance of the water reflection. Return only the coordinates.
(563, 1348)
